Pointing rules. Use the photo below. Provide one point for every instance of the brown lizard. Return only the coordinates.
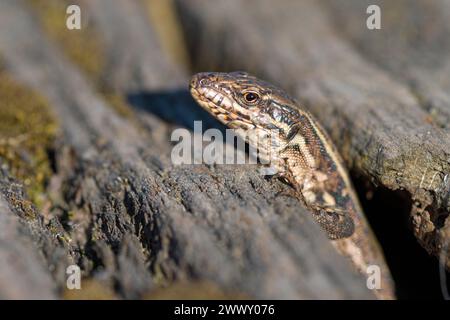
(302, 154)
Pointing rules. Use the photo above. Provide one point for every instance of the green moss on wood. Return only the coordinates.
(27, 133)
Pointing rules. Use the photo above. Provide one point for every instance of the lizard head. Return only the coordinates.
(240, 100)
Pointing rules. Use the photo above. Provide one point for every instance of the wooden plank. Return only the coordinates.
(141, 221)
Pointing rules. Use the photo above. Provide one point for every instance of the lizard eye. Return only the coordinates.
(251, 97)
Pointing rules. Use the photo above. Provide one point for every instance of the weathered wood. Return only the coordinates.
(24, 273)
(132, 50)
(382, 95)
(137, 220)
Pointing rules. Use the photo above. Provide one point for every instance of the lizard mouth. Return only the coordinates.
(220, 106)
(212, 97)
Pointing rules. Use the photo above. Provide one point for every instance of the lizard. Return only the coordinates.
(301, 153)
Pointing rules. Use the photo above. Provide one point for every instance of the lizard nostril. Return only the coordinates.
(200, 80)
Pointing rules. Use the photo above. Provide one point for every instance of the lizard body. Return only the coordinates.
(300, 151)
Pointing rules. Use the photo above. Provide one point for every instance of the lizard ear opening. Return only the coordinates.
(292, 132)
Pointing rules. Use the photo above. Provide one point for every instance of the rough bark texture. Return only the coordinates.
(122, 211)
(383, 95)
(23, 271)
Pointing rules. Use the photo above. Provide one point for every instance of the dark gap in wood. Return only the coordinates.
(406, 258)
